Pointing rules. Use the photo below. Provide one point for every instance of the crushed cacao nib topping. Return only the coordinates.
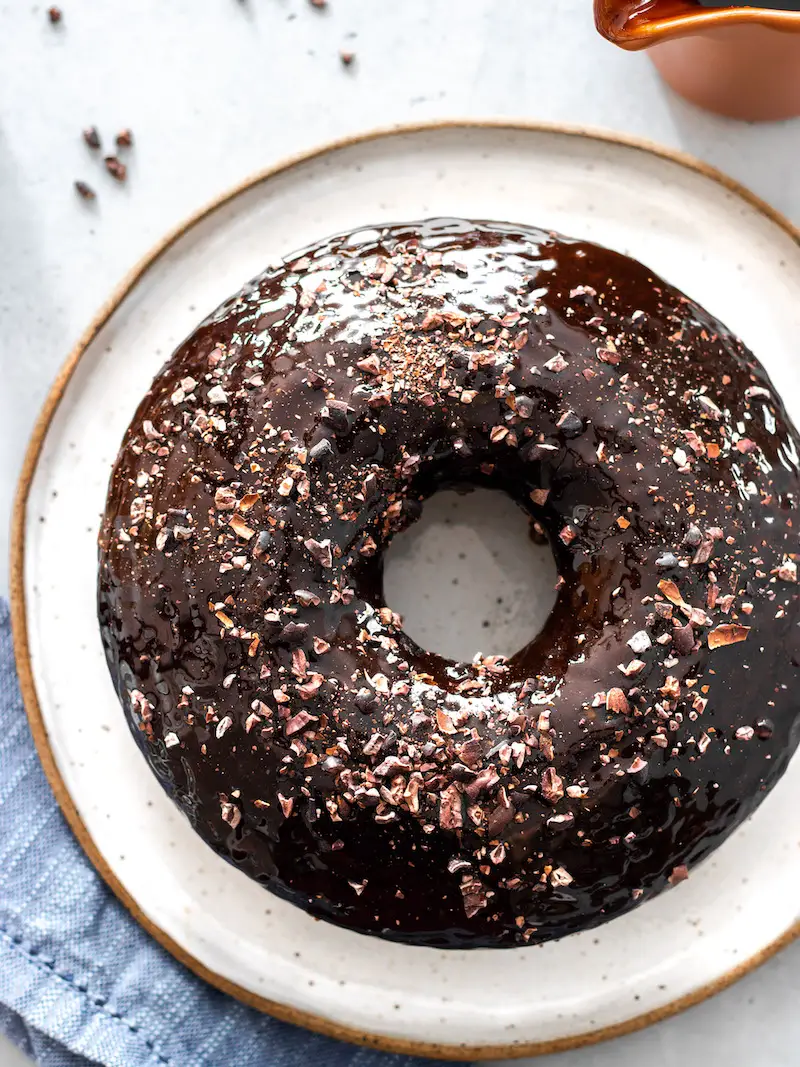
(303, 425)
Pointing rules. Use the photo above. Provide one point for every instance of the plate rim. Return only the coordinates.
(19, 617)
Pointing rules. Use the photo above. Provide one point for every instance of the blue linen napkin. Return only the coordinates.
(80, 981)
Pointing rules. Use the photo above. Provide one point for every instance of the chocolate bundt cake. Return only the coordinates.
(275, 694)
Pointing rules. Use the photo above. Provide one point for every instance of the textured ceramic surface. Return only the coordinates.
(730, 257)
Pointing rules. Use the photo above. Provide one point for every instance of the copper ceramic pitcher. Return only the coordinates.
(730, 58)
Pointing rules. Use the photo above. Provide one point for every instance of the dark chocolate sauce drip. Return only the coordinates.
(275, 695)
(769, 5)
(621, 19)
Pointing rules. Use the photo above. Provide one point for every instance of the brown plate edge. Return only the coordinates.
(285, 1012)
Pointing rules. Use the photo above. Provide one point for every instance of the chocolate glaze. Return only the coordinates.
(275, 695)
(628, 21)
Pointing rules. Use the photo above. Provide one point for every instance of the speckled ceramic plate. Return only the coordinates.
(691, 225)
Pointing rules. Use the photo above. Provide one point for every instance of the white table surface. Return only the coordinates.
(217, 89)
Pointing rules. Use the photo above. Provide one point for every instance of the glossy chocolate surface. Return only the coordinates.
(275, 695)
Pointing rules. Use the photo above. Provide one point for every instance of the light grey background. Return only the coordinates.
(217, 89)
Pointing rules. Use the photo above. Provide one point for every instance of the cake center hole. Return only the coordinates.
(468, 576)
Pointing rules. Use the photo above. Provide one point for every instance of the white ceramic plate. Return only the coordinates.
(699, 231)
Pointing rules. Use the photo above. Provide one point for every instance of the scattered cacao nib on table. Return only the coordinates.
(116, 168)
(55, 14)
(276, 696)
(91, 137)
(85, 191)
